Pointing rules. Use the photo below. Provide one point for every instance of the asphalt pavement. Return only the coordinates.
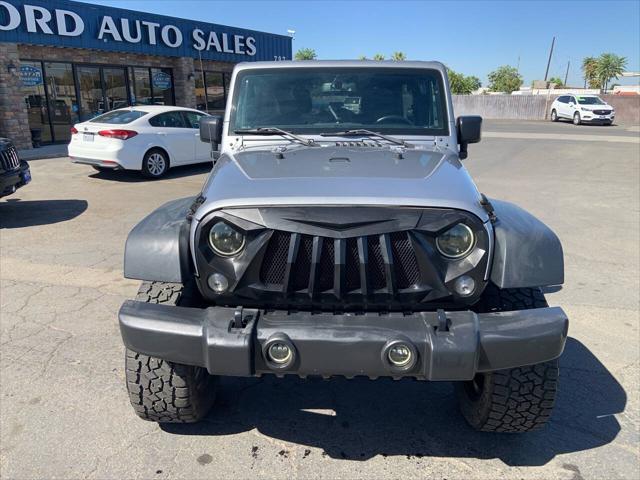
(64, 412)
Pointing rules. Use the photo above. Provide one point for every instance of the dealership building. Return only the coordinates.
(63, 61)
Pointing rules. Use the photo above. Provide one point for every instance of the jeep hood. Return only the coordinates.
(336, 175)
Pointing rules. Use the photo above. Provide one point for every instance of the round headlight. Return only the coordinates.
(456, 242)
(225, 240)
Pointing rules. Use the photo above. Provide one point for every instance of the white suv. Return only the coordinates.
(582, 109)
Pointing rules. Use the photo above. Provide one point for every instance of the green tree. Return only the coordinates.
(610, 66)
(505, 79)
(362, 57)
(590, 71)
(461, 84)
(398, 56)
(557, 81)
(378, 56)
(306, 54)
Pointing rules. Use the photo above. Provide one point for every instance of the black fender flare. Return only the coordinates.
(157, 249)
(527, 253)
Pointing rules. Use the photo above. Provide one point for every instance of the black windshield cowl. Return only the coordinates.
(276, 131)
(361, 132)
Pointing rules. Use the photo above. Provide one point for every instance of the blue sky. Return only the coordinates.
(472, 37)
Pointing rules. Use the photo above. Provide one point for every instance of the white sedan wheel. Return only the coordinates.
(155, 164)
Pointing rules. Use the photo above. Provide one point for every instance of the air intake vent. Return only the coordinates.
(369, 144)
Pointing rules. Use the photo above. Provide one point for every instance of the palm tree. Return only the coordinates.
(378, 56)
(306, 54)
(398, 56)
(590, 69)
(610, 66)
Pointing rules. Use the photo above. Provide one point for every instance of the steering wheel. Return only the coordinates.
(394, 118)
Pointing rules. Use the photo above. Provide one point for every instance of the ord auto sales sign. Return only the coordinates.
(72, 24)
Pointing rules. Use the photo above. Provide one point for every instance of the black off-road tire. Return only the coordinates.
(162, 391)
(517, 399)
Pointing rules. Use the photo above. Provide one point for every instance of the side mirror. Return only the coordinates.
(211, 129)
(469, 129)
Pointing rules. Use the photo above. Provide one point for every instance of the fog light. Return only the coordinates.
(465, 286)
(218, 283)
(400, 355)
(280, 353)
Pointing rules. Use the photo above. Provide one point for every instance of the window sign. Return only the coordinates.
(30, 76)
(161, 81)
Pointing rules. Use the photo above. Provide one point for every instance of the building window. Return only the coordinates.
(151, 86)
(59, 94)
(141, 87)
(90, 88)
(162, 86)
(61, 91)
(115, 87)
(211, 90)
(35, 98)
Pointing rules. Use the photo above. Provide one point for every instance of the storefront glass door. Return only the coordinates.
(63, 108)
(90, 88)
(35, 98)
(115, 87)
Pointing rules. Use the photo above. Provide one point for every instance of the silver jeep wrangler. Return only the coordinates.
(338, 233)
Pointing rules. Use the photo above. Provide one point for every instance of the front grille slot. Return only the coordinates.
(274, 264)
(405, 264)
(9, 159)
(326, 266)
(314, 265)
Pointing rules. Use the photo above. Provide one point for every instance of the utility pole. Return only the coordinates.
(518, 67)
(546, 74)
(566, 75)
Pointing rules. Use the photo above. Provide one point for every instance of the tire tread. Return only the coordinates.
(159, 390)
(519, 399)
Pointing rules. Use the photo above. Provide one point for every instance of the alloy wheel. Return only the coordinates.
(156, 164)
(576, 118)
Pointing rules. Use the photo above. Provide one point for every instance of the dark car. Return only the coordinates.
(14, 173)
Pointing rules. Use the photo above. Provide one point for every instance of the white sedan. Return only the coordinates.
(148, 138)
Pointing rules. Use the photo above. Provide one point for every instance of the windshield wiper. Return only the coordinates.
(367, 133)
(276, 131)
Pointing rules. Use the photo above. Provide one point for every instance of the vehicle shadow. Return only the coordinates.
(15, 213)
(130, 176)
(359, 419)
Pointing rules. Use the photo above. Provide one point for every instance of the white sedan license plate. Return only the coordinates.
(603, 116)
(87, 137)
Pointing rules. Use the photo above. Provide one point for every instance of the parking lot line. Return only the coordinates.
(562, 136)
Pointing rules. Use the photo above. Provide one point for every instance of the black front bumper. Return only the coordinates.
(13, 179)
(448, 345)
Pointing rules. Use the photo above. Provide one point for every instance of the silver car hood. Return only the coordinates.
(340, 175)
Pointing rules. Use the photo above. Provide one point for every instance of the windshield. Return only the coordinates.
(119, 117)
(589, 101)
(323, 100)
